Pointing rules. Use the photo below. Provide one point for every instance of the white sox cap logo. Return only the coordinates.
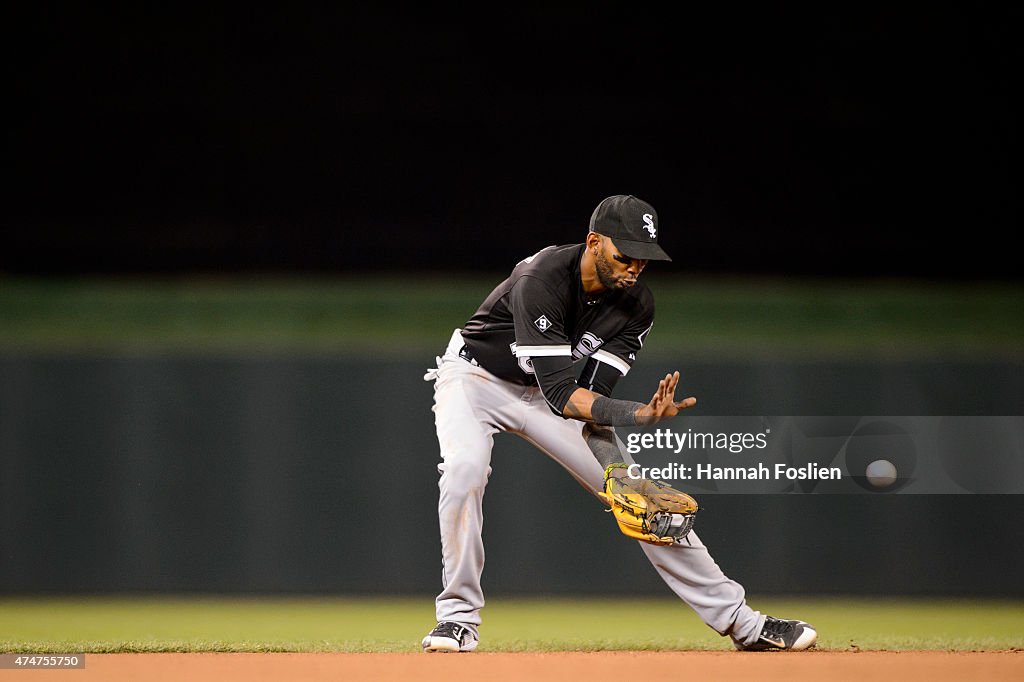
(632, 224)
(542, 323)
(649, 225)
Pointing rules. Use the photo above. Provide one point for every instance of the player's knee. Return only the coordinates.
(460, 477)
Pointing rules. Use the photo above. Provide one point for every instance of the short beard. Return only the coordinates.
(605, 275)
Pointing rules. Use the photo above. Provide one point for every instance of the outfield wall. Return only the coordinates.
(288, 474)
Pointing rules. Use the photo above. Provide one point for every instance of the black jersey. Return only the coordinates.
(541, 311)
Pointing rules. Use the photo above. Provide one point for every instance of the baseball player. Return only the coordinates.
(540, 358)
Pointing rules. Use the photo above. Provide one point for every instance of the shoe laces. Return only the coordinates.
(449, 629)
(777, 626)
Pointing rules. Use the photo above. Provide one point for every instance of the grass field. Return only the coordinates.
(97, 625)
(412, 315)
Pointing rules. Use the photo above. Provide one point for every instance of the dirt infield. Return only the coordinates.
(905, 666)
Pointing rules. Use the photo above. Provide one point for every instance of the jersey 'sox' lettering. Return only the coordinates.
(525, 363)
(643, 335)
(586, 347)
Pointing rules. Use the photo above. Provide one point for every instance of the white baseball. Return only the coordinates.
(881, 473)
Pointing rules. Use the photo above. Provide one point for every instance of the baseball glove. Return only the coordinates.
(648, 510)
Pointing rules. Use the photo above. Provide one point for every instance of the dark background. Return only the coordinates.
(857, 141)
(841, 141)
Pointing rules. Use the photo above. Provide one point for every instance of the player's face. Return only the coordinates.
(614, 269)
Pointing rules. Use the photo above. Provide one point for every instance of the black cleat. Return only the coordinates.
(783, 635)
(449, 637)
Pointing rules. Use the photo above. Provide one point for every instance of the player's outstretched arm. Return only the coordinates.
(592, 407)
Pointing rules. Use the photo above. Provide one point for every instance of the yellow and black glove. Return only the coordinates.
(646, 509)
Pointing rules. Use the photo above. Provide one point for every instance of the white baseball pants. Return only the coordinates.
(470, 406)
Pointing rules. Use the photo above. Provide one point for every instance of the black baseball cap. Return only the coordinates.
(632, 225)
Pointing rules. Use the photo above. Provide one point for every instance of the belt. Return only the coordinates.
(467, 356)
(457, 345)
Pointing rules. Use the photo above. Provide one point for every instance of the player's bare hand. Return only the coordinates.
(664, 405)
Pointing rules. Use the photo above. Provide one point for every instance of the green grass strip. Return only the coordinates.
(197, 624)
(412, 316)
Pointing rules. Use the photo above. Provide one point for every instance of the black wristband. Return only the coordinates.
(611, 412)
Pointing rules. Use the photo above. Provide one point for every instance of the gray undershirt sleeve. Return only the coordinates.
(601, 441)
